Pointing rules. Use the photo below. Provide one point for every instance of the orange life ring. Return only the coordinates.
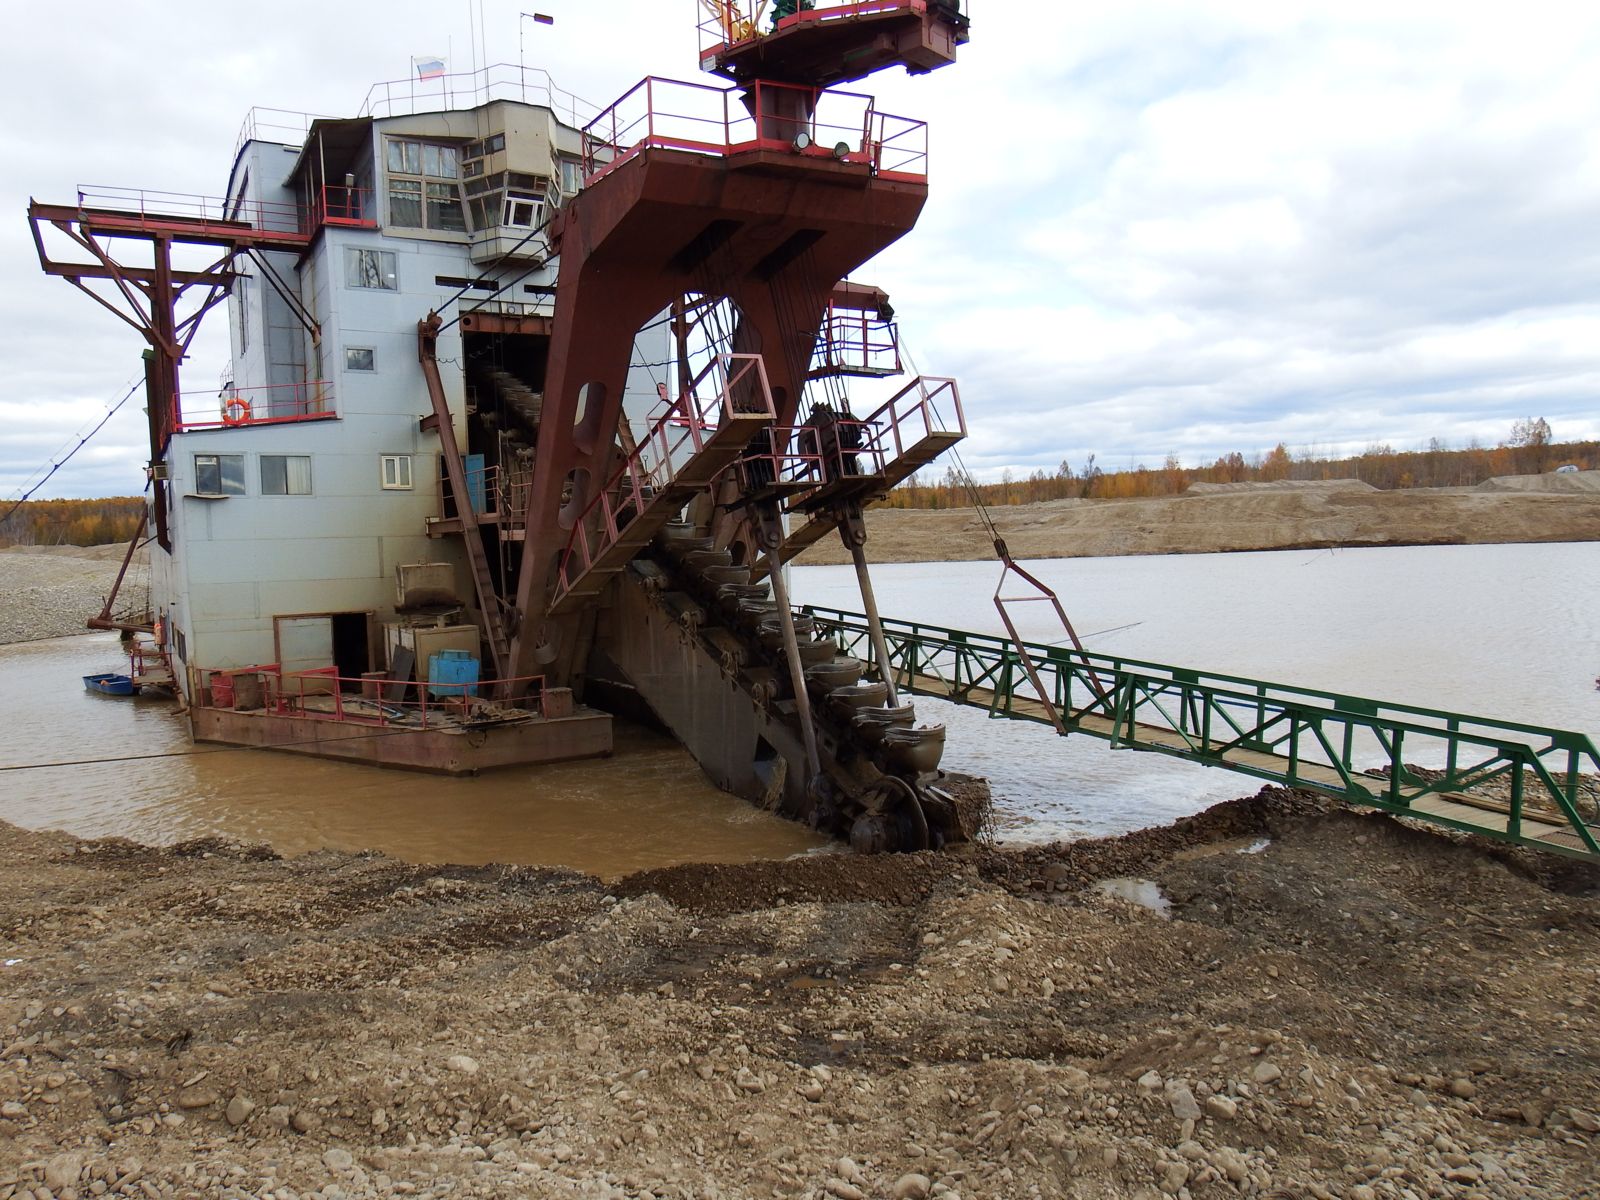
(236, 411)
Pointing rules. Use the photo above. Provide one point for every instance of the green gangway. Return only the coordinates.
(1524, 784)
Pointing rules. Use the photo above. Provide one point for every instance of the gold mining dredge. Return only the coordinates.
(530, 404)
(529, 407)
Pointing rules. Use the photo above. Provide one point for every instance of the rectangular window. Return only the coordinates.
(571, 175)
(285, 475)
(360, 358)
(522, 211)
(424, 192)
(444, 208)
(405, 203)
(219, 474)
(396, 472)
(370, 269)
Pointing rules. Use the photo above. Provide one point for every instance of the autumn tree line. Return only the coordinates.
(1528, 450)
(72, 522)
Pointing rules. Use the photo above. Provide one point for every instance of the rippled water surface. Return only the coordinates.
(1500, 631)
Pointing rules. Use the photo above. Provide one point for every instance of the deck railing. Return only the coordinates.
(147, 210)
(250, 407)
(698, 118)
(323, 694)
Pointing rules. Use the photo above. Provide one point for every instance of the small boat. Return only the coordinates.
(110, 684)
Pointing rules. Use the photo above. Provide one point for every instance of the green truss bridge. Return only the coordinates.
(1518, 783)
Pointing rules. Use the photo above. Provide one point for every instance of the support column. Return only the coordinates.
(853, 532)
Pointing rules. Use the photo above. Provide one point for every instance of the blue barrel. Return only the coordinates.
(452, 673)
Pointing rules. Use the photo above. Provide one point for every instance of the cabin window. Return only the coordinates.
(360, 358)
(219, 474)
(370, 269)
(396, 472)
(571, 175)
(522, 211)
(424, 192)
(286, 475)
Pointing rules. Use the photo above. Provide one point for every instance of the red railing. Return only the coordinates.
(156, 211)
(913, 414)
(671, 114)
(855, 342)
(147, 208)
(277, 404)
(804, 457)
(325, 695)
(347, 207)
(671, 442)
(801, 458)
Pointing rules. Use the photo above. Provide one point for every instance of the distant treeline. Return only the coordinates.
(1528, 451)
(72, 522)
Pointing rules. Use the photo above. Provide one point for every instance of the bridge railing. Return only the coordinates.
(1362, 750)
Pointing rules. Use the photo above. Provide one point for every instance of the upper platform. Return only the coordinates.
(828, 42)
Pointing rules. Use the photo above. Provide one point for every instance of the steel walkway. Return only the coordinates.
(1355, 749)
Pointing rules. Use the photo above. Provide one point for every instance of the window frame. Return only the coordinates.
(288, 479)
(372, 359)
(398, 461)
(429, 175)
(387, 266)
(221, 481)
(509, 203)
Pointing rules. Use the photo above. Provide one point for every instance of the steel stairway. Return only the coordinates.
(681, 455)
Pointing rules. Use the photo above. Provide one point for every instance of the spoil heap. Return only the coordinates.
(1355, 1010)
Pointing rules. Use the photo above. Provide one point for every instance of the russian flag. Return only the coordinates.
(429, 66)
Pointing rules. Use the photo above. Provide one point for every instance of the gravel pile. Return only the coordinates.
(48, 592)
(1334, 1007)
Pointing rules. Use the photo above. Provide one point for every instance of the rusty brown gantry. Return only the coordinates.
(645, 570)
(763, 218)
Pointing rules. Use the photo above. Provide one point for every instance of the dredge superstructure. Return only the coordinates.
(529, 407)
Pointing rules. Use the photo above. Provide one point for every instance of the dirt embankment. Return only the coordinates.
(1240, 517)
(51, 591)
(1358, 1010)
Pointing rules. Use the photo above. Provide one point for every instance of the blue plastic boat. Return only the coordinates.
(110, 684)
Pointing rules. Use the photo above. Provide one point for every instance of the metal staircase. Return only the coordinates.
(682, 453)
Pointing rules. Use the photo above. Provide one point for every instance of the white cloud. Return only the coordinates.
(1154, 227)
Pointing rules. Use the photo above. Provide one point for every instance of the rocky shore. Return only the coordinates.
(49, 592)
(1332, 1005)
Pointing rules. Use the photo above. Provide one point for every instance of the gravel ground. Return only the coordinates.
(1336, 1006)
(48, 592)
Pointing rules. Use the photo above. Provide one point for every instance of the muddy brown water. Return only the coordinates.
(647, 806)
(1507, 631)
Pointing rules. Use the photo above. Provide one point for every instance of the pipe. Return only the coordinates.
(880, 645)
(914, 801)
(791, 649)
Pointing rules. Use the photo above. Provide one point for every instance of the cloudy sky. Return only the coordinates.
(1157, 227)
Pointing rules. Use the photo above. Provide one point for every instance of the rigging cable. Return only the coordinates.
(82, 441)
